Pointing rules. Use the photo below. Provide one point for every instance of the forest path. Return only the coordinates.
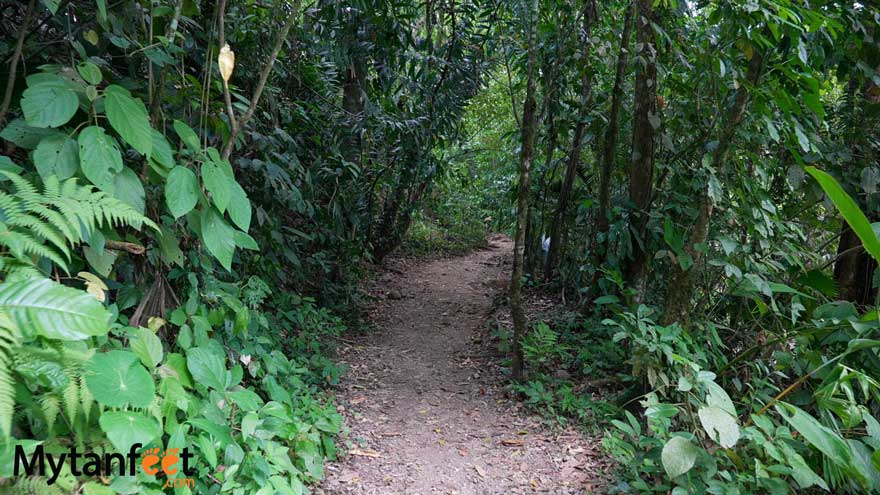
(423, 404)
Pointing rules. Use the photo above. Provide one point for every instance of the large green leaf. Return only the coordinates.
(49, 101)
(39, 306)
(207, 367)
(218, 184)
(823, 438)
(719, 425)
(127, 187)
(181, 191)
(57, 155)
(147, 346)
(117, 379)
(99, 156)
(678, 456)
(162, 153)
(125, 428)
(129, 117)
(24, 135)
(187, 135)
(850, 211)
(218, 236)
(239, 207)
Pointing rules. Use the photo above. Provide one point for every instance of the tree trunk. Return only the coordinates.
(612, 130)
(525, 165)
(681, 285)
(574, 156)
(641, 173)
(854, 269)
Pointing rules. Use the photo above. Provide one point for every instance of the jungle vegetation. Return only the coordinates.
(191, 191)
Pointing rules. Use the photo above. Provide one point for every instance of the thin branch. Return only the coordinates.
(222, 42)
(264, 76)
(13, 64)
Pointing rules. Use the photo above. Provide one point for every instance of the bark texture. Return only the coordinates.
(609, 144)
(529, 123)
(681, 285)
(645, 122)
(574, 155)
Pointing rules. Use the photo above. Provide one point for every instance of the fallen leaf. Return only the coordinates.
(365, 453)
(511, 443)
(480, 471)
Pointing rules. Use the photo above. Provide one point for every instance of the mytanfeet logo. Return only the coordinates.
(173, 463)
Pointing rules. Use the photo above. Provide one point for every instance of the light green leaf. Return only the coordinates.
(245, 241)
(239, 207)
(207, 367)
(95, 488)
(125, 428)
(218, 184)
(800, 470)
(181, 191)
(127, 187)
(147, 346)
(25, 136)
(823, 438)
(39, 306)
(49, 101)
(162, 153)
(99, 156)
(90, 72)
(7, 165)
(218, 236)
(52, 5)
(849, 209)
(249, 425)
(129, 117)
(169, 248)
(57, 155)
(187, 135)
(719, 425)
(678, 456)
(117, 379)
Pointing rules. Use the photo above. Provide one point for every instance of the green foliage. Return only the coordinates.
(51, 223)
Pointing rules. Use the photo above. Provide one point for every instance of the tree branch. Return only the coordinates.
(13, 64)
(261, 84)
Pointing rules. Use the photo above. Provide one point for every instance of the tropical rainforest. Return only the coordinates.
(194, 194)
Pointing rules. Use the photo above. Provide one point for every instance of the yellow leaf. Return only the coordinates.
(226, 60)
(91, 36)
(94, 285)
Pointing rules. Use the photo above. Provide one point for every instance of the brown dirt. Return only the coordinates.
(424, 403)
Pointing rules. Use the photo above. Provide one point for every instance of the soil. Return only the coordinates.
(426, 405)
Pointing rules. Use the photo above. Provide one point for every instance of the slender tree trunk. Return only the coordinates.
(681, 285)
(645, 122)
(525, 164)
(854, 269)
(574, 156)
(609, 145)
(353, 104)
(13, 62)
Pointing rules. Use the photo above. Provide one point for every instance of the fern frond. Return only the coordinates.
(71, 397)
(51, 407)
(9, 341)
(21, 245)
(34, 485)
(48, 224)
(71, 231)
(86, 399)
(43, 230)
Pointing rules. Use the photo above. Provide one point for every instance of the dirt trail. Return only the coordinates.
(423, 404)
